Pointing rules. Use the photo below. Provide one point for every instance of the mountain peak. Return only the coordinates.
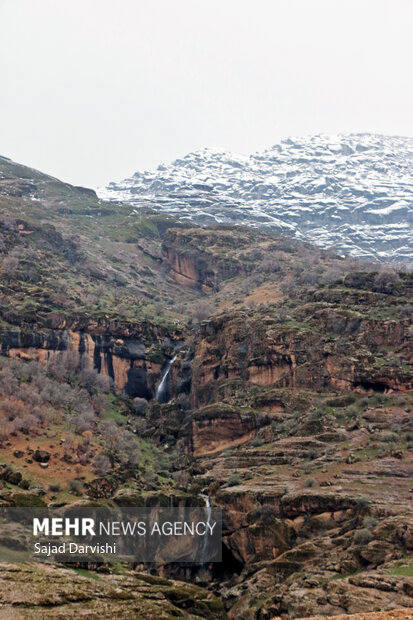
(350, 191)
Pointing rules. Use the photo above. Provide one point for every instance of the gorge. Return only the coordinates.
(150, 362)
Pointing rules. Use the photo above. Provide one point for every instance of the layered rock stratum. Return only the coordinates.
(286, 401)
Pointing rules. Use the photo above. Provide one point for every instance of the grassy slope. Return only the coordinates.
(79, 257)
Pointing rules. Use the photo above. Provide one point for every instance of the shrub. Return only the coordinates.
(386, 282)
(363, 502)
(101, 464)
(8, 381)
(26, 424)
(181, 478)
(10, 265)
(149, 478)
(82, 422)
(75, 487)
(257, 442)
(201, 310)
(139, 425)
(139, 405)
(93, 382)
(389, 437)
(233, 480)
(6, 428)
(310, 482)
(369, 522)
(363, 536)
(352, 412)
(341, 401)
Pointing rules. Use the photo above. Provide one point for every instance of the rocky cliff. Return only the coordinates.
(336, 338)
(133, 362)
(288, 404)
(202, 258)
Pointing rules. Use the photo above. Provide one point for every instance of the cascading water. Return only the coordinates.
(161, 392)
(208, 506)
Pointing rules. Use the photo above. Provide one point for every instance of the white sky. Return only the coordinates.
(92, 90)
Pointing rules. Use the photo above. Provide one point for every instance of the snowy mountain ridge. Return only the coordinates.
(353, 192)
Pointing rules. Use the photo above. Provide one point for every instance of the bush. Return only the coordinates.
(201, 310)
(389, 437)
(352, 412)
(181, 478)
(82, 422)
(26, 424)
(75, 487)
(10, 265)
(363, 536)
(93, 382)
(257, 442)
(386, 282)
(310, 482)
(341, 401)
(101, 464)
(233, 480)
(363, 502)
(139, 405)
(8, 381)
(55, 487)
(149, 478)
(369, 522)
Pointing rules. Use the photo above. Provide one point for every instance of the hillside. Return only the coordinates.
(287, 375)
(353, 192)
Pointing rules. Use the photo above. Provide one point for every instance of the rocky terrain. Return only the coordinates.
(286, 375)
(36, 592)
(397, 614)
(352, 192)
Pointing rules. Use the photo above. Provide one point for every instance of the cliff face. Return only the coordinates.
(133, 364)
(334, 343)
(217, 428)
(317, 515)
(301, 426)
(290, 405)
(200, 258)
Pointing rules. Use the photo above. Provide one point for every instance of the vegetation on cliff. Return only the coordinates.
(288, 397)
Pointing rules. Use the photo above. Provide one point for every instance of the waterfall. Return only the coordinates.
(161, 392)
(206, 537)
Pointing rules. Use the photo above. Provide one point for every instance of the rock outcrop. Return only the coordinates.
(41, 591)
(394, 614)
(200, 258)
(317, 345)
(133, 362)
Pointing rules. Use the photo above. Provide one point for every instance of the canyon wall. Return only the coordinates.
(133, 364)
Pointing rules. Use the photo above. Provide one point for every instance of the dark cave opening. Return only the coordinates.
(376, 386)
(228, 567)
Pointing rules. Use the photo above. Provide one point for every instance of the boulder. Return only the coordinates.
(14, 477)
(41, 456)
(377, 552)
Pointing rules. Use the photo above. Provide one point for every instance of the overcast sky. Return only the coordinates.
(92, 90)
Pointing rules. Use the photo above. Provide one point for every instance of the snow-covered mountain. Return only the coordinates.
(354, 192)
